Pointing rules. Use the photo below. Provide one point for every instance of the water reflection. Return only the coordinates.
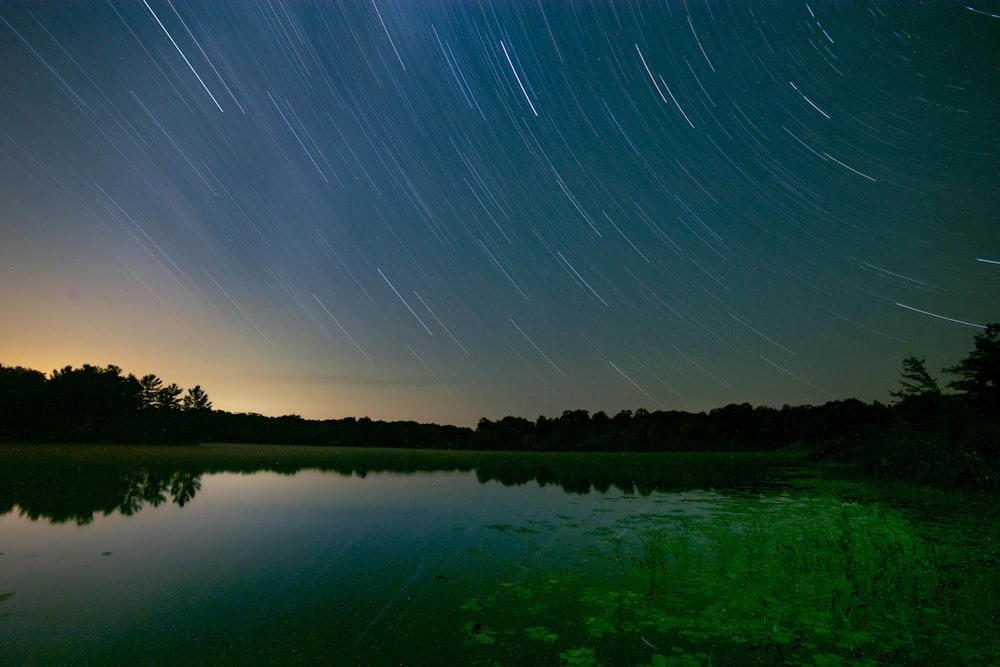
(63, 496)
(392, 557)
(319, 568)
(75, 483)
(5, 596)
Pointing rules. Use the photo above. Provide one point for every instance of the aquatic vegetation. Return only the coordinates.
(580, 657)
(679, 658)
(790, 580)
(479, 633)
(541, 633)
(814, 578)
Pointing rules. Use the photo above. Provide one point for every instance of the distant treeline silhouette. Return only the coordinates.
(925, 432)
(92, 404)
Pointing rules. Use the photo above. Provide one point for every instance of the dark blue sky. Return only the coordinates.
(442, 210)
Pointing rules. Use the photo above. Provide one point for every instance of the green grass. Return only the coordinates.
(787, 580)
(835, 585)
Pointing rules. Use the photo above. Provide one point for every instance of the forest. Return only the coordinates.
(945, 435)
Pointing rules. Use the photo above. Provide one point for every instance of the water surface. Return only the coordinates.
(360, 564)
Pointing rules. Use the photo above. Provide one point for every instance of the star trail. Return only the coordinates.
(448, 210)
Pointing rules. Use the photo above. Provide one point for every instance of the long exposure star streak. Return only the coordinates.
(763, 202)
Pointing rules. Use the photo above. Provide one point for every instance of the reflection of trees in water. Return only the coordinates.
(145, 488)
(72, 493)
(632, 473)
(71, 484)
(183, 487)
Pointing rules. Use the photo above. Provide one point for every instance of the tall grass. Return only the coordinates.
(799, 579)
(817, 582)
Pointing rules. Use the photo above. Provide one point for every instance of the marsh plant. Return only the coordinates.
(818, 582)
(787, 580)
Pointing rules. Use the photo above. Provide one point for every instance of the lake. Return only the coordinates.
(240, 554)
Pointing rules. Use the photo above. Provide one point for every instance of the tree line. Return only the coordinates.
(94, 404)
(926, 431)
(948, 436)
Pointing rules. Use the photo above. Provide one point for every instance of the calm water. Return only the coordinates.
(332, 567)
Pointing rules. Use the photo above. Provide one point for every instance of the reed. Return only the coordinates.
(803, 582)
(792, 579)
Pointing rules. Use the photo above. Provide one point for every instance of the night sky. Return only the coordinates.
(441, 210)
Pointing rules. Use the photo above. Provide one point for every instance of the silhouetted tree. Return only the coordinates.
(978, 375)
(196, 416)
(150, 387)
(169, 397)
(22, 392)
(544, 428)
(155, 395)
(570, 433)
(196, 399)
(510, 433)
(623, 419)
(92, 404)
(734, 426)
(916, 381)
(161, 419)
(918, 399)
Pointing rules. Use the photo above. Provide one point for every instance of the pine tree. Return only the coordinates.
(196, 399)
(978, 375)
(916, 381)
